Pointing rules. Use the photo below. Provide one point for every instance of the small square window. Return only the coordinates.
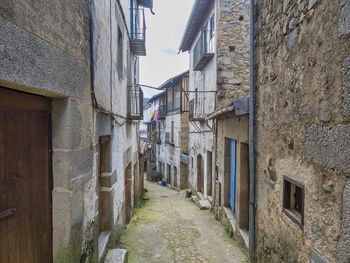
(293, 200)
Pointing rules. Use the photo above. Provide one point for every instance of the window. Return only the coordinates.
(120, 51)
(192, 162)
(172, 132)
(212, 26)
(293, 200)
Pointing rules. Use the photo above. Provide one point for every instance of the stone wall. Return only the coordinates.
(302, 127)
(232, 52)
(45, 49)
(42, 58)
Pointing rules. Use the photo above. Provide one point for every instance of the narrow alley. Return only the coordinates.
(170, 228)
(174, 131)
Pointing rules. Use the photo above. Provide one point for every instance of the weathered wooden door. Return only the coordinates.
(127, 194)
(233, 179)
(25, 178)
(200, 174)
(169, 174)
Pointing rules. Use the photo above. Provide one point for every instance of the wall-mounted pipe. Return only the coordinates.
(131, 18)
(251, 135)
(95, 103)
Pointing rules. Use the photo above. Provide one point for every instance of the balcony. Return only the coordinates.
(174, 105)
(162, 112)
(145, 3)
(135, 103)
(169, 138)
(155, 136)
(202, 52)
(138, 32)
(197, 109)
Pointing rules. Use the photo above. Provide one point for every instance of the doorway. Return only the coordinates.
(175, 176)
(169, 174)
(183, 175)
(127, 194)
(25, 178)
(233, 176)
(209, 173)
(200, 174)
(104, 166)
(136, 184)
(244, 184)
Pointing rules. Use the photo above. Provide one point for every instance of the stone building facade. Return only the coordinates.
(79, 56)
(168, 132)
(230, 186)
(219, 90)
(302, 130)
(200, 40)
(172, 151)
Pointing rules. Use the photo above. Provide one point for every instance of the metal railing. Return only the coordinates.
(202, 50)
(162, 112)
(139, 27)
(138, 32)
(169, 138)
(174, 105)
(135, 103)
(197, 109)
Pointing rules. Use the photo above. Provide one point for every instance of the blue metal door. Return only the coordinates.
(233, 178)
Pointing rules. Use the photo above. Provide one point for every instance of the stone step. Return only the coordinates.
(195, 199)
(117, 256)
(204, 205)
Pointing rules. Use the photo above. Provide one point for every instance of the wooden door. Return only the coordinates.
(25, 178)
(175, 176)
(209, 173)
(127, 194)
(233, 179)
(200, 174)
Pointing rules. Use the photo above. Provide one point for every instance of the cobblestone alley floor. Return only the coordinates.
(171, 228)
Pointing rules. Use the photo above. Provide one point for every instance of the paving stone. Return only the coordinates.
(117, 256)
(175, 230)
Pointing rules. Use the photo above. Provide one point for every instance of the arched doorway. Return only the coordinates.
(200, 174)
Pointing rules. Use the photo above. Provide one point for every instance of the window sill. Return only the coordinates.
(298, 219)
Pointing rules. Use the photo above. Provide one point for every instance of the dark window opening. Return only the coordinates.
(172, 132)
(120, 51)
(212, 26)
(293, 200)
(241, 18)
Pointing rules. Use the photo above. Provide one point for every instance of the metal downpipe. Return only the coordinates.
(251, 135)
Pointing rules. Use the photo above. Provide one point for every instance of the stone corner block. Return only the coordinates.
(117, 256)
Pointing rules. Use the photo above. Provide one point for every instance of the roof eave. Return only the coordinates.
(185, 43)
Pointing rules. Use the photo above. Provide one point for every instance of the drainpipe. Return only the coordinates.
(131, 18)
(251, 135)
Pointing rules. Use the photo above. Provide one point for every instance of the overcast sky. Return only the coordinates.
(163, 37)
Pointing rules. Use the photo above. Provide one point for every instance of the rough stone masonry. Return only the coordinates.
(302, 127)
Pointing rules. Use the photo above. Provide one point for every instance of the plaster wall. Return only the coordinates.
(202, 140)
